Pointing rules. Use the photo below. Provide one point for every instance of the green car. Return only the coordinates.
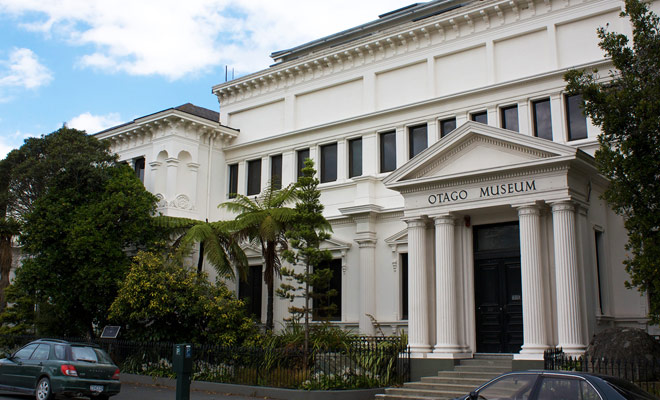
(49, 367)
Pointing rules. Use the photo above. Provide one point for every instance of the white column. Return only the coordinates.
(151, 177)
(367, 285)
(535, 337)
(569, 316)
(172, 171)
(447, 343)
(418, 324)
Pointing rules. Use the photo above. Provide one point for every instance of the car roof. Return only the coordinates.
(60, 341)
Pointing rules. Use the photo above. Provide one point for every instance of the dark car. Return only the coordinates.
(49, 367)
(557, 385)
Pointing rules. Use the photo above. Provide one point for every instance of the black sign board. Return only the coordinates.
(110, 332)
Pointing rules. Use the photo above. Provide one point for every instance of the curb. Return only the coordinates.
(257, 391)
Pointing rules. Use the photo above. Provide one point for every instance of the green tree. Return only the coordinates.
(216, 242)
(264, 221)
(162, 300)
(626, 107)
(308, 229)
(79, 230)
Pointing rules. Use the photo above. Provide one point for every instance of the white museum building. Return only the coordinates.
(457, 174)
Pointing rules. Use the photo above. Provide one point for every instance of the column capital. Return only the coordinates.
(172, 161)
(155, 164)
(366, 243)
(564, 205)
(529, 209)
(193, 166)
(415, 222)
(443, 219)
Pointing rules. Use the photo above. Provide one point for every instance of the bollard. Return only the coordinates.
(182, 365)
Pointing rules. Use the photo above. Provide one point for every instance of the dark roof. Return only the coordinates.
(187, 108)
(199, 112)
(413, 12)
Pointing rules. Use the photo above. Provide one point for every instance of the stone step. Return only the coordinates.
(425, 393)
(485, 375)
(482, 368)
(492, 356)
(440, 387)
(472, 382)
(500, 363)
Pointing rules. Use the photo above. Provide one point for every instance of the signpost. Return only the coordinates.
(182, 364)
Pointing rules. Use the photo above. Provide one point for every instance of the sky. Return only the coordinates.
(94, 64)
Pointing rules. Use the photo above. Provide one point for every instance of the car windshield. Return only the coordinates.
(627, 389)
(89, 354)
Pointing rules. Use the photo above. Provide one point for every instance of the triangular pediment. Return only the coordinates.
(334, 244)
(475, 148)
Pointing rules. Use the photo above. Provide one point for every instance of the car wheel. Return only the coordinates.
(43, 391)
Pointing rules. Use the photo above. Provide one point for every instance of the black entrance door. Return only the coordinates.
(498, 291)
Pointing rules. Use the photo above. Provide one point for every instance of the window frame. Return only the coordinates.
(476, 114)
(255, 180)
(570, 116)
(383, 168)
(232, 179)
(413, 136)
(535, 125)
(442, 122)
(352, 169)
(328, 170)
(300, 161)
(504, 118)
(275, 184)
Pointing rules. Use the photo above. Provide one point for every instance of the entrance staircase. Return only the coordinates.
(466, 376)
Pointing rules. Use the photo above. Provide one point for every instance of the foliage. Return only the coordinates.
(162, 301)
(264, 221)
(627, 109)
(308, 228)
(216, 242)
(76, 241)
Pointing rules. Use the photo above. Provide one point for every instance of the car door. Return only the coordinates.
(566, 388)
(32, 367)
(11, 369)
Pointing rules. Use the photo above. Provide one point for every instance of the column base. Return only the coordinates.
(573, 350)
(531, 352)
(450, 353)
(420, 351)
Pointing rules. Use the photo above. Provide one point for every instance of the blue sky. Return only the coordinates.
(93, 64)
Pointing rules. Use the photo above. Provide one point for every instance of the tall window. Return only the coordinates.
(329, 163)
(575, 119)
(301, 156)
(233, 181)
(480, 117)
(417, 140)
(510, 118)
(599, 267)
(354, 157)
(276, 171)
(250, 291)
(404, 285)
(139, 167)
(388, 151)
(542, 119)
(446, 126)
(329, 307)
(253, 177)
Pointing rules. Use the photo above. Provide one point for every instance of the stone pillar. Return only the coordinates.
(194, 171)
(535, 336)
(170, 185)
(152, 176)
(569, 315)
(418, 296)
(447, 343)
(367, 285)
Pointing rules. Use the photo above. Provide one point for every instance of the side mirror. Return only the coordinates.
(7, 355)
(474, 395)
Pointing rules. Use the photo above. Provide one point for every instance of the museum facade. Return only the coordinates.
(457, 174)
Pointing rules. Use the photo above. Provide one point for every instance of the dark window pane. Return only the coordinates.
(233, 181)
(329, 163)
(254, 177)
(404, 285)
(139, 168)
(510, 118)
(417, 140)
(542, 119)
(354, 157)
(250, 291)
(480, 117)
(497, 237)
(328, 306)
(575, 119)
(446, 126)
(25, 352)
(302, 155)
(387, 151)
(276, 171)
(509, 387)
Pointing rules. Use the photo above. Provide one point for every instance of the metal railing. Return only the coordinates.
(364, 362)
(644, 372)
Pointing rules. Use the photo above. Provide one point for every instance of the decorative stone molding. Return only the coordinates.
(182, 202)
(162, 203)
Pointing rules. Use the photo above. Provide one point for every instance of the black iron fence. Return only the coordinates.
(644, 372)
(365, 362)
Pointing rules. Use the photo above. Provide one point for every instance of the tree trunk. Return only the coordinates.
(269, 278)
(5, 267)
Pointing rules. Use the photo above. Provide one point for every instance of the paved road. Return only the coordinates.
(147, 392)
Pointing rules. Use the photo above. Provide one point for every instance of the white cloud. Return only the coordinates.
(94, 123)
(12, 141)
(175, 38)
(23, 70)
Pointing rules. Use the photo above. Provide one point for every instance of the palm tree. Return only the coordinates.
(264, 221)
(216, 243)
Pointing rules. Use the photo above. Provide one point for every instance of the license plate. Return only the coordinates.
(96, 388)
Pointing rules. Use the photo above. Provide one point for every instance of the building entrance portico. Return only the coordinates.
(493, 244)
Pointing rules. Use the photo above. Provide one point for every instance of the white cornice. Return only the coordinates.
(478, 16)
